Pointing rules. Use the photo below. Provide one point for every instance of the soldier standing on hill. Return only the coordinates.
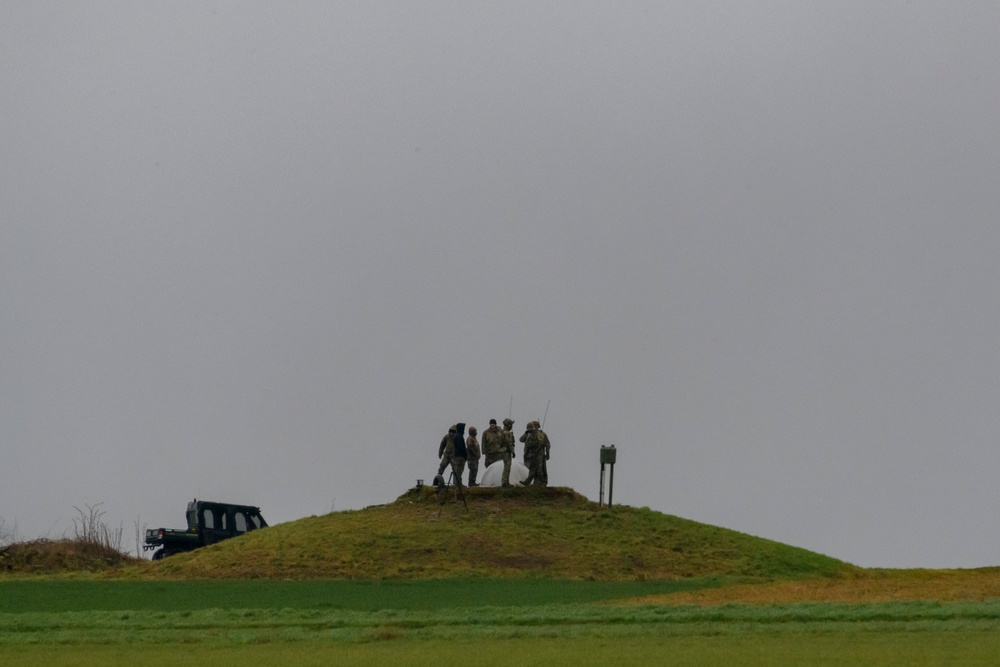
(492, 444)
(472, 448)
(531, 449)
(508, 450)
(446, 450)
(459, 454)
(543, 454)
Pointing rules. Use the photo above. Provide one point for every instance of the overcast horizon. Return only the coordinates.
(267, 253)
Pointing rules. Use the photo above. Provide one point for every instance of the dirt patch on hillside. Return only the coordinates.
(877, 586)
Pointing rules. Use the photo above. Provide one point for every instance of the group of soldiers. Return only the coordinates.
(498, 445)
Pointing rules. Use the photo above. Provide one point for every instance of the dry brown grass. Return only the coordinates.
(869, 586)
(46, 556)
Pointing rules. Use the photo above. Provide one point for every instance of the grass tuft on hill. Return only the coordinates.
(534, 532)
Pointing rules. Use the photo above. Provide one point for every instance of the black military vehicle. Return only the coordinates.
(208, 523)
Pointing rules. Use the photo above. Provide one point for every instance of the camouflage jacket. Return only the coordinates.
(531, 442)
(493, 441)
(543, 442)
(472, 446)
(508, 441)
(447, 445)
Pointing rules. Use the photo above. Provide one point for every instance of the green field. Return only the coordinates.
(887, 648)
(53, 595)
(45, 622)
(523, 576)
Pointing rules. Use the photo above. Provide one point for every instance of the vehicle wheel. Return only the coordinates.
(159, 554)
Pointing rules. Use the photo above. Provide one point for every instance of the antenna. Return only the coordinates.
(510, 410)
(545, 415)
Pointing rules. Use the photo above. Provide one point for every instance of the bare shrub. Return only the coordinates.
(90, 528)
(94, 547)
(8, 535)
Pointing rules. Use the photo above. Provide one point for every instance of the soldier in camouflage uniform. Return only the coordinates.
(543, 454)
(492, 444)
(508, 450)
(472, 447)
(533, 453)
(458, 454)
(446, 450)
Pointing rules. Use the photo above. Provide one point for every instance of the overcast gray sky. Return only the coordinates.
(268, 252)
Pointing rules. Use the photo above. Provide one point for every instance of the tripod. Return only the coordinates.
(443, 492)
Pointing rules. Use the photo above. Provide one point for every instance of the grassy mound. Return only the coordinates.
(46, 556)
(534, 532)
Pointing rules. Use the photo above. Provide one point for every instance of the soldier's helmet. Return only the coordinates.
(508, 422)
(472, 430)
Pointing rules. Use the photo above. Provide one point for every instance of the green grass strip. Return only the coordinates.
(891, 649)
(17, 596)
(566, 621)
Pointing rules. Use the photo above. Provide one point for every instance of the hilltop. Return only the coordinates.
(535, 532)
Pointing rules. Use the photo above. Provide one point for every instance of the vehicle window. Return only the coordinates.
(208, 518)
(241, 522)
(225, 520)
(256, 521)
